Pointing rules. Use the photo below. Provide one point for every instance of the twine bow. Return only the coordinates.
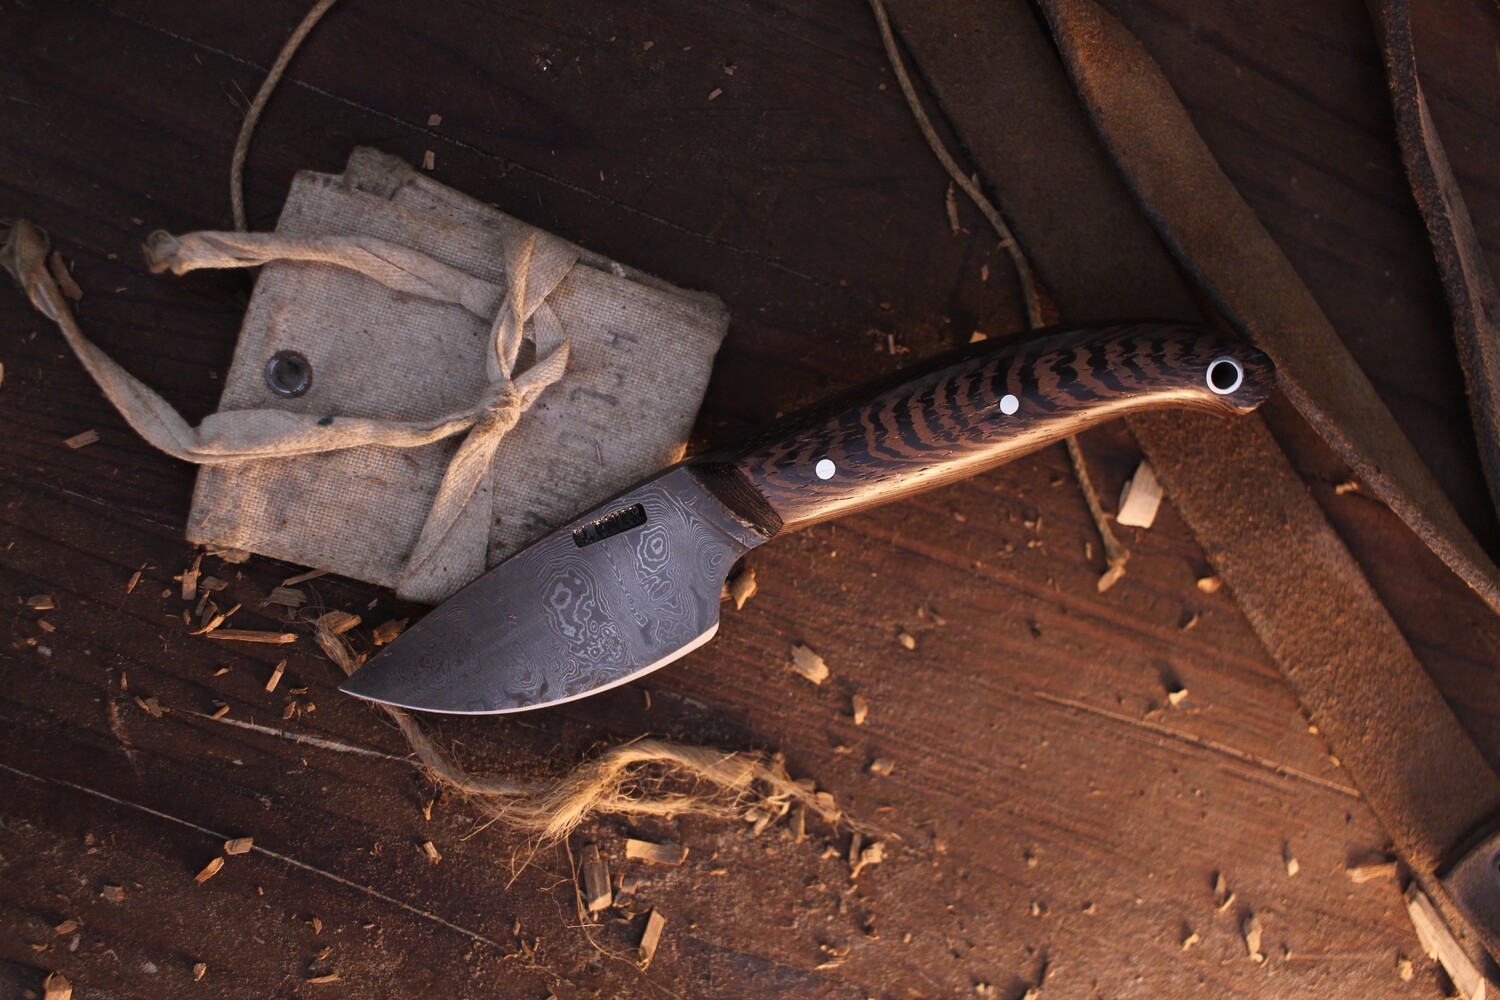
(452, 546)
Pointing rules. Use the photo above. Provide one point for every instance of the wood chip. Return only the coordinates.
(66, 927)
(809, 664)
(190, 579)
(1250, 929)
(743, 587)
(286, 597)
(275, 678)
(433, 121)
(220, 712)
(798, 824)
(135, 579)
(82, 440)
(429, 160)
(430, 849)
(713, 95)
(388, 631)
(656, 854)
(209, 870)
(1177, 696)
(1404, 968)
(112, 894)
(331, 977)
(247, 635)
(41, 602)
(597, 894)
(861, 709)
(1292, 867)
(56, 987)
(150, 706)
(311, 574)
(45, 625)
(1191, 939)
(1210, 584)
(339, 622)
(950, 203)
(200, 969)
(882, 767)
(1437, 940)
(238, 846)
(1359, 874)
(64, 279)
(650, 938)
(906, 639)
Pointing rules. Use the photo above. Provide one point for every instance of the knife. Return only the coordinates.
(634, 583)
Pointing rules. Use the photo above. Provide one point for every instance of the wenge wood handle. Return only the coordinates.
(973, 409)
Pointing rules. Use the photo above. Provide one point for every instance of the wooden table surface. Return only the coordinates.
(1059, 821)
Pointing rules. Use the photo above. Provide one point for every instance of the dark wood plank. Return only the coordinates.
(1036, 760)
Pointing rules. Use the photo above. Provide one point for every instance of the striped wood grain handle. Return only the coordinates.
(985, 404)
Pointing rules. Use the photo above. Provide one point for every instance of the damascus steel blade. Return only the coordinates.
(622, 590)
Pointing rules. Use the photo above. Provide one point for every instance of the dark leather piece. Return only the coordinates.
(998, 79)
(1472, 298)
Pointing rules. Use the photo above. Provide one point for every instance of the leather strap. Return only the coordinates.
(998, 79)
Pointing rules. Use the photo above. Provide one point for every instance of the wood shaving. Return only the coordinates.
(45, 625)
(112, 894)
(246, 635)
(713, 95)
(388, 631)
(743, 587)
(1250, 929)
(190, 579)
(872, 855)
(597, 894)
(1223, 898)
(200, 969)
(1191, 939)
(650, 938)
(311, 574)
(238, 846)
(861, 709)
(66, 927)
(56, 987)
(1177, 696)
(430, 849)
(1359, 874)
(809, 664)
(339, 622)
(220, 712)
(882, 767)
(150, 706)
(135, 579)
(209, 871)
(214, 620)
(82, 440)
(656, 854)
(950, 202)
(433, 121)
(429, 160)
(286, 597)
(275, 677)
(331, 977)
(41, 602)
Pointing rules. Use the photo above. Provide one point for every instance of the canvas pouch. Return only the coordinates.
(467, 381)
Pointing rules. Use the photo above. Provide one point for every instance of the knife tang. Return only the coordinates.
(978, 407)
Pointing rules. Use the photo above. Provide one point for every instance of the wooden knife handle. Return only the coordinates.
(985, 404)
